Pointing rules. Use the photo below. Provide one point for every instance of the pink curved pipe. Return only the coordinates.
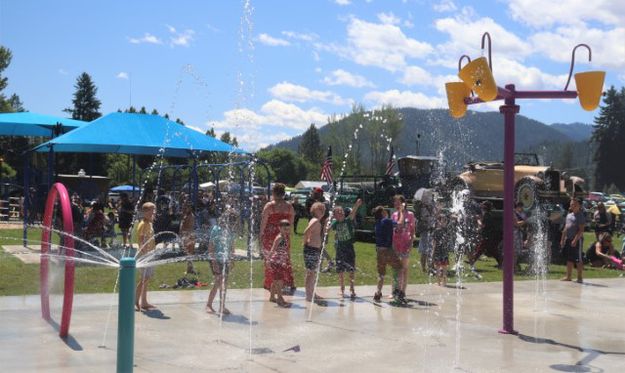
(58, 192)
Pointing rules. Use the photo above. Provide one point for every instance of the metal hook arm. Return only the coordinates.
(573, 61)
(490, 58)
(461, 59)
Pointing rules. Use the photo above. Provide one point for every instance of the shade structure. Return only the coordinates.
(141, 134)
(33, 124)
(125, 188)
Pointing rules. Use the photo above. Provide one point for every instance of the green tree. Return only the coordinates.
(211, 132)
(229, 139)
(609, 136)
(86, 104)
(286, 166)
(310, 145)
(85, 107)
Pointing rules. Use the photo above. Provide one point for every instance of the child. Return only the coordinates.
(440, 256)
(312, 249)
(109, 228)
(145, 235)
(187, 235)
(220, 250)
(344, 245)
(385, 254)
(403, 237)
(278, 258)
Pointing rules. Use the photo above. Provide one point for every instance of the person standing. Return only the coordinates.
(403, 237)
(344, 246)
(572, 240)
(602, 220)
(385, 255)
(124, 214)
(273, 212)
(145, 235)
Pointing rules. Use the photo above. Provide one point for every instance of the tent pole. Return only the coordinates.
(134, 172)
(26, 203)
(195, 182)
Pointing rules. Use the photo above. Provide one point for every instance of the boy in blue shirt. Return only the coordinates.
(385, 254)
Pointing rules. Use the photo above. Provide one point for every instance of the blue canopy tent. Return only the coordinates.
(36, 125)
(33, 124)
(137, 134)
(124, 188)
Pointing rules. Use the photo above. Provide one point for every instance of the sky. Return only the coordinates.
(264, 70)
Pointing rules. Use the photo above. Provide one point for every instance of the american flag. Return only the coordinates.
(326, 168)
(390, 163)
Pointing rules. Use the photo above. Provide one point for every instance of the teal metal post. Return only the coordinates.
(126, 316)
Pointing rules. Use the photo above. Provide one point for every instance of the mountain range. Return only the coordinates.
(476, 136)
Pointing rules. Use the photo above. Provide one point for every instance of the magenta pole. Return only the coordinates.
(509, 111)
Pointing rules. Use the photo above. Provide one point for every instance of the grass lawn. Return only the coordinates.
(17, 278)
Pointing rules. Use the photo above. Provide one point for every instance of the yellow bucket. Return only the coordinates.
(456, 93)
(477, 75)
(589, 88)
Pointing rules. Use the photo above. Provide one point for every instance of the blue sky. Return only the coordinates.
(265, 70)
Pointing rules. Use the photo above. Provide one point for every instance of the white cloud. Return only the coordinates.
(343, 2)
(608, 47)
(540, 13)
(300, 36)
(445, 6)
(380, 45)
(465, 35)
(622, 77)
(292, 116)
(147, 38)
(63, 72)
(389, 18)
(182, 39)
(342, 77)
(415, 75)
(292, 92)
(122, 75)
(272, 42)
(276, 121)
(526, 77)
(401, 99)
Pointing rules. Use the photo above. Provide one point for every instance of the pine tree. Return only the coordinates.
(609, 136)
(229, 139)
(86, 105)
(13, 103)
(310, 145)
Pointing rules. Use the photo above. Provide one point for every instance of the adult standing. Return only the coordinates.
(572, 240)
(273, 212)
(602, 220)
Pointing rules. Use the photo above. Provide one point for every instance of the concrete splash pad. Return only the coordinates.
(568, 328)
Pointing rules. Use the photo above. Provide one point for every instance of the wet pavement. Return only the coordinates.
(568, 327)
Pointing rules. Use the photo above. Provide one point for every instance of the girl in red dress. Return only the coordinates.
(278, 259)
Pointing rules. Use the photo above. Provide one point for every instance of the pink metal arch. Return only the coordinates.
(58, 192)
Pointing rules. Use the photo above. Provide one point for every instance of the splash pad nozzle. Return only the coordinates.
(126, 315)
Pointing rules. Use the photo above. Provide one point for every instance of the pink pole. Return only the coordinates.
(509, 110)
(58, 191)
